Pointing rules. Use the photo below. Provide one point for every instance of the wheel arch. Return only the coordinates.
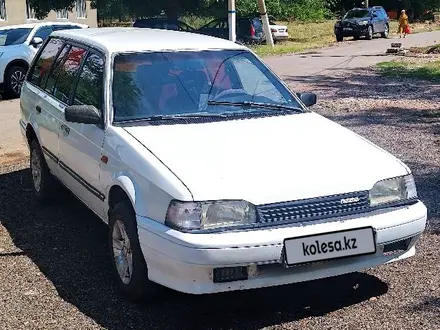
(17, 62)
(31, 134)
(122, 189)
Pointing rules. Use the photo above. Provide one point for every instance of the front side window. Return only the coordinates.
(44, 62)
(68, 72)
(90, 87)
(181, 83)
(44, 32)
(13, 36)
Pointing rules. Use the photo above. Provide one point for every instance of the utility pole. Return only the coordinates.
(231, 20)
(367, 4)
(265, 20)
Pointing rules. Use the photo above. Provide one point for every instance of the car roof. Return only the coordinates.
(132, 39)
(18, 26)
(33, 25)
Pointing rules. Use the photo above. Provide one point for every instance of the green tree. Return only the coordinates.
(173, 8)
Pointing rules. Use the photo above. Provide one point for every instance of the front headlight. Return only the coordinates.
(363, 22)
(210, 215)
(393, 190)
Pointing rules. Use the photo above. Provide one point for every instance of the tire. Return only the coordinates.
(136, 286)
(386, 32)
(14, 78)
(339, 38)
(369, 35)
(44, 185)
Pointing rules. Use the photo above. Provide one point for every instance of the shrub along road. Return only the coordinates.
(56, 274)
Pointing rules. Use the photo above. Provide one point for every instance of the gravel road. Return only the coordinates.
(55, 271)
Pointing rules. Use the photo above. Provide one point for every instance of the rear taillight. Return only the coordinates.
(252, 31)
(273, 30)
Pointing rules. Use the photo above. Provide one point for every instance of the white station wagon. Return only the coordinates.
(211, 174)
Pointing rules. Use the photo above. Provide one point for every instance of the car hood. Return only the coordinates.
(10, 47)
(268, 160)
(354, 20)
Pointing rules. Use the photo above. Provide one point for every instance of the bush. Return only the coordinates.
(304, 10)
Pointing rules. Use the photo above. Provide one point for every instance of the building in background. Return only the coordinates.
(19, 12)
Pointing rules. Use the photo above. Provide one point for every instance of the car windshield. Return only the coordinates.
(357, 13)
(187, 82)
(13, 36)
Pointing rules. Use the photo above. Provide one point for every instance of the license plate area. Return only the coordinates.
(348, 29)
(329, 246)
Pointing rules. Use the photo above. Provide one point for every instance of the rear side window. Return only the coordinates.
(89, 90)
(50, 78)
(44, 62)
(68, 72)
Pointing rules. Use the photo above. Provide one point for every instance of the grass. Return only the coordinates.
(421, 70)
(303, 36)
(307, 35)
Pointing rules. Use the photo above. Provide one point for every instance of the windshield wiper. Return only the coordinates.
(174, 117)
(257, 105)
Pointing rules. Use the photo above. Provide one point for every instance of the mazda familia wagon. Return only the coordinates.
(211, 174)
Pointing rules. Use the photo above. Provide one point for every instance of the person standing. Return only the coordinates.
(403, 24)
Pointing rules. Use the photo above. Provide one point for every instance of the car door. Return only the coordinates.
(81, 144)
(377, 26)
(45, 114)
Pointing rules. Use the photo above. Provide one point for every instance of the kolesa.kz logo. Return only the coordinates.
(328, 247)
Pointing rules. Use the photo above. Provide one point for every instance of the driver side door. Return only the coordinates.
(81, 144)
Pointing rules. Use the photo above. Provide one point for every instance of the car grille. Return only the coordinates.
(315, 208)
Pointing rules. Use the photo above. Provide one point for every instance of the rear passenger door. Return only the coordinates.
(81, 82)
(45, 113)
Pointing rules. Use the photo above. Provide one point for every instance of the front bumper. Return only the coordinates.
(352, 30)
(185, 262)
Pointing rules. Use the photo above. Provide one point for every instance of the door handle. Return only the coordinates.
(38, 108)
(65, 128)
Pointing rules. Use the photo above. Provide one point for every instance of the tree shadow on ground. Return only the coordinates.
(69, 245)
(365, 83)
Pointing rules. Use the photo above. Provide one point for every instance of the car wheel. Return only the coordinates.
(14, 80)
(339, 38)
(370, 33)
(128, 263)
(43, 183)
(386, 32)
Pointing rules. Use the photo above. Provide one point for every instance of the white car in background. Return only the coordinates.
(18, 46)
(279, 32)
(211, 174)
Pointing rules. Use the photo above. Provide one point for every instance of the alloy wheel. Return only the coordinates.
(17, 79)
(122, 254)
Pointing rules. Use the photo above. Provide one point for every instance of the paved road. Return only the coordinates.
(349, 54)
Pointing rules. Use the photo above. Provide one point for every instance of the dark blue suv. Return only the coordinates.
(363, 22)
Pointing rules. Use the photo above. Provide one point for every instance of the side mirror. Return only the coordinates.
(308, 99)
(36, 41)
(84, 114)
